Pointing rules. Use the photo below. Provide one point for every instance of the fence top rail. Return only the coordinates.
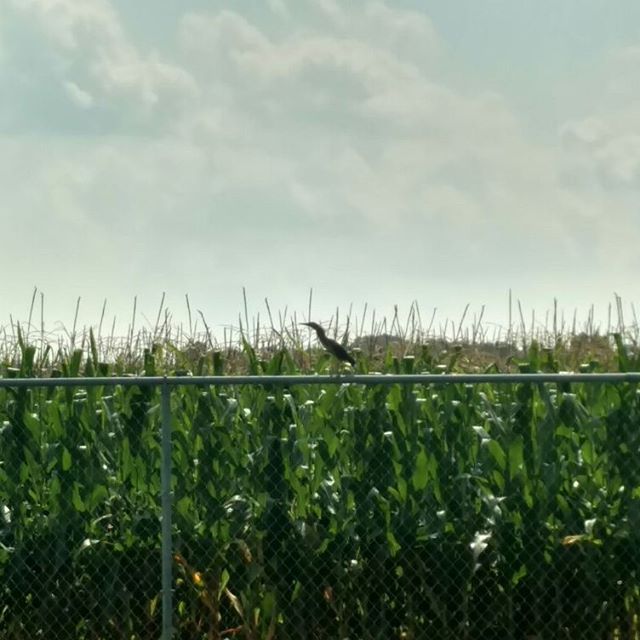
(362, 379)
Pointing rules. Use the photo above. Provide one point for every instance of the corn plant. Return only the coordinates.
(418, 511)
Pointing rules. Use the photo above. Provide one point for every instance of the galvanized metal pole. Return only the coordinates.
(166, 503)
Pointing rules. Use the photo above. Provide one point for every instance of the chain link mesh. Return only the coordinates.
(345, 511)
(79, 493)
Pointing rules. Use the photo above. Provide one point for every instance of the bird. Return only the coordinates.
(333, 347)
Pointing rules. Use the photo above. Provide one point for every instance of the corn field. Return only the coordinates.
(322, 511)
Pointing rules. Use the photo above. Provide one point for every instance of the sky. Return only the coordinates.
(373, 152)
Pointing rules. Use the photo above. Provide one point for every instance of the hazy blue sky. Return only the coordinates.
(435, 151)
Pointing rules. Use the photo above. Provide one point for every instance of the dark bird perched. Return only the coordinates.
(333, 347)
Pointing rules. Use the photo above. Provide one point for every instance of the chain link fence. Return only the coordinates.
(367, 507)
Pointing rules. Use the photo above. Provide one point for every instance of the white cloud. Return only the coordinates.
(409, 34)
(279, 8)
(623, 73)
(72, 25)
(332, 10)
(353, 121)
(606, 143)
(336, 128)
(85, 50)
(619, 161)
(79, 96)
(586, 132)
(216, 39)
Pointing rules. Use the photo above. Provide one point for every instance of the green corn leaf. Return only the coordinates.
(421, 472)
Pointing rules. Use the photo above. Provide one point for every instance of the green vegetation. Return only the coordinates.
(470, 344)
(487, 511)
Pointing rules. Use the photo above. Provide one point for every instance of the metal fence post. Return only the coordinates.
(166, 498)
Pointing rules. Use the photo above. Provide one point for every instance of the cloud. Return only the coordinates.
(360, 128)
(81, 51)
(279, 8)
(606, 144)
(584, 133)
(357, 132)
(68, 24)
(410, 34)
(331, 10)
(619, 161)
(623, 74)
(337, 138)
(79, 96)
